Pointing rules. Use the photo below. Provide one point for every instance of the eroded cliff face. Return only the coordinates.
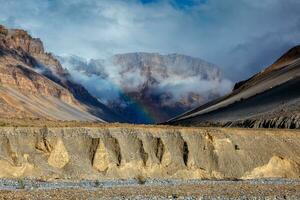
(29, 48)
(148, 152)
(18, 60)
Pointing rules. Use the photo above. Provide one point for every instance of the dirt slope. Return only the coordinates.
(112, 152)
(270, 98)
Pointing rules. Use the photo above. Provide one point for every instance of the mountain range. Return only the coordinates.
(134, 87)
(142, 88)
(149, 87)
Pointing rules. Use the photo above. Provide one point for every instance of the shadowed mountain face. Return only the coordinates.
(270, 98)
(149, 87)
(34, 85)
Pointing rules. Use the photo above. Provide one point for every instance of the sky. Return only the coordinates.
(240, 36)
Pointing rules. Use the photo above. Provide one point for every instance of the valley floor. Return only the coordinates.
(151, 189)
(53, 160)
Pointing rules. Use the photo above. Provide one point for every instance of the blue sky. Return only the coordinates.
(240, 36)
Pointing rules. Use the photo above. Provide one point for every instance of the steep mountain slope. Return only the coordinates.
(149, 87)
(34, 85)
(270, 98)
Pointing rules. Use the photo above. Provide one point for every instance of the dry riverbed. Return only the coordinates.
(150, 189)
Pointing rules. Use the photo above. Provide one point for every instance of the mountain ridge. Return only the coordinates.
(268, 87)
(31, 72)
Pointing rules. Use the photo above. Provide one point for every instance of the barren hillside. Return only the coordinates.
(270, 98)
(34, 85)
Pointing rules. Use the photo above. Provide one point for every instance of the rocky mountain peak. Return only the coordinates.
(18, 39)
(149, 87)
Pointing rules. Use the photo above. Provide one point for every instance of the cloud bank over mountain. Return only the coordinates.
(238, 36)
(149, 87)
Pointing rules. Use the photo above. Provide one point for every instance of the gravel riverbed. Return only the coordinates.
(150, 189)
